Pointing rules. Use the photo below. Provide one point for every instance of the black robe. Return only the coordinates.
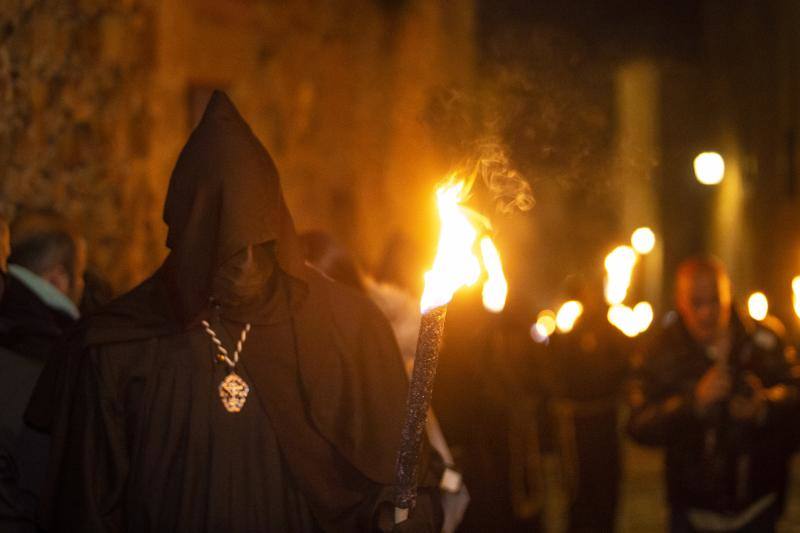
(22, 450)
(28, 326)
(141, 440)
(478, 398)
(585, 375)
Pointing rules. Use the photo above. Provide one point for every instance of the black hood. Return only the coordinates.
(224, 194)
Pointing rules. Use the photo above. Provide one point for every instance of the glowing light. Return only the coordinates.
(622, 317)
(631, 322)
(547, 319)
(619, 269)
(538, 333)
(709, 167)
(622, 257)
(643, 240)
(495, 289)
(455, 265)
(758, 305)
(567, 315)
(544, 327)
(643, 313)
(796, 295)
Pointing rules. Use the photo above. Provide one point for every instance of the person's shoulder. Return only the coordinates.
(140, 314)
(345, 300)
(354, 315)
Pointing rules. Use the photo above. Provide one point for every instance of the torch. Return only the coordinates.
(454, 266)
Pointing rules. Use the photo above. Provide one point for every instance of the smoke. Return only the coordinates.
(492, 166)
(455, 118)
(539, 117)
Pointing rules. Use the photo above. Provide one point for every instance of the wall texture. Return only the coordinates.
(74, 122)
(98, 96)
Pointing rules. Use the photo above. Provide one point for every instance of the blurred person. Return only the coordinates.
(44, 284)
(393, 267)
(234, 390)
(585, 373)
(402, 311)
(23, 451)
(486, 405)
(716, 391)
(325, 254)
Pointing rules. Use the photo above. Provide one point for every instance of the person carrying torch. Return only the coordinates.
(237, 389)
(718, 392)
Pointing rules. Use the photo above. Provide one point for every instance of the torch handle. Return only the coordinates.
(420, 389)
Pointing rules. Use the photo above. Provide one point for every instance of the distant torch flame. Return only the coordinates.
(495, 289)
(758, 306)
(796, 295)
(631, 322)
(619, 270)
(456, 265)
(544, 327)
(567, 315)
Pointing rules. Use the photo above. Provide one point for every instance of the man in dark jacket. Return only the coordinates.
(44, 284)
(717, 392)
(38, 305)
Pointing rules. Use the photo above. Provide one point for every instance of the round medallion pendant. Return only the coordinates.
(233, 392)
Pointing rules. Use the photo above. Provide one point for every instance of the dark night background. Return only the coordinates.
(366, 104)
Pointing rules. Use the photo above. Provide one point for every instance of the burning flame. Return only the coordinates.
(567, 315)
(544, 327)
(456, 265)
(619, 270)
(758, 305)
(796, 295)
(631, 322)
(495, 289)
(643, 312)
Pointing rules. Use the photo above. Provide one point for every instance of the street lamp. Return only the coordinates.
(643, 240)
(758, 306)
(709, 167)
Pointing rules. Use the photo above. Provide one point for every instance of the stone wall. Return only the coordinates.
(98, 97)
(337, 91)
(74, 122)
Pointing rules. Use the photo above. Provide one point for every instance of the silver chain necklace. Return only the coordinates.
(233, 390)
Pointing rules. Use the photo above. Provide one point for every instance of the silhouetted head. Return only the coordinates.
(229, 230)
(48, 246)
(703, 297)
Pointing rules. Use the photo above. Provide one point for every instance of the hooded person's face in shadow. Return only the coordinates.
(242, 281)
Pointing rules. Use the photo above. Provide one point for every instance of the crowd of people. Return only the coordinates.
(257, 381)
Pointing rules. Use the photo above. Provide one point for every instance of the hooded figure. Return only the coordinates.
(143, 439)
